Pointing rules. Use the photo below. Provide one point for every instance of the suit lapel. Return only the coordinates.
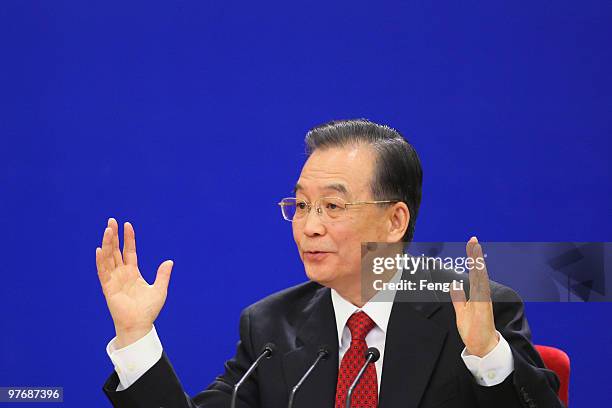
(318, 329)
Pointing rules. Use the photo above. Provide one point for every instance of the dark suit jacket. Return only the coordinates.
(422, 362)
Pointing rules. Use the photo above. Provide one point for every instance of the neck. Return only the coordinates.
(353, 293)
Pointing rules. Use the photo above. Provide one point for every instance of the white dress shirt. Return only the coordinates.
(134, 360)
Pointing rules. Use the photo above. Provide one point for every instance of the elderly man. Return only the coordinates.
(360, 183)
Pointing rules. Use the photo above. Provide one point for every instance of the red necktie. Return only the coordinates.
(365, 394)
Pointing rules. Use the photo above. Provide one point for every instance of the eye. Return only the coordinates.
(301, 205)
(333, 206)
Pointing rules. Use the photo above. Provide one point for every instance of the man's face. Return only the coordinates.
(331, 252)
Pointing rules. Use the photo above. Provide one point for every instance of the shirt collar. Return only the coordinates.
(378, 310)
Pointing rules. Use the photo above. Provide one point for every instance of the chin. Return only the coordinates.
(319, 274)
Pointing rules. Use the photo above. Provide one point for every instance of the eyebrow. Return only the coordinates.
(341, 188)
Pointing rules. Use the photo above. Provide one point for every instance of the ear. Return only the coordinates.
(399, 217)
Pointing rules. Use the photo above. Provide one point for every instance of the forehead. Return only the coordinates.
(344, 170)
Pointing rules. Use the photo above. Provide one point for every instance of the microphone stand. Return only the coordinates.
(372, 356)
(322, 355)
(267, 352)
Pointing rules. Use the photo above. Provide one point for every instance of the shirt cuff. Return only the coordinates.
(132, 361)
(493, 368)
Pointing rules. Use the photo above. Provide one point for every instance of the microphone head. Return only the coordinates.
(270, 348)
(323, 352)
(373, 351)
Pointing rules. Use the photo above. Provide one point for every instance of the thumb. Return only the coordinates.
(459, 300)
(163, 275)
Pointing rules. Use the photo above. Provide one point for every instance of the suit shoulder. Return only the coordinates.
(293, 298)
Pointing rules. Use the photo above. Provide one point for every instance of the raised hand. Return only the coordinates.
(475, 320)
(133, 303)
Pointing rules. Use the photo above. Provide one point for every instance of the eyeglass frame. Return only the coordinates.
(320, 210)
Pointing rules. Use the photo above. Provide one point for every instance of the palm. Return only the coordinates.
(474, 324)
(133, 303)
(130, 298)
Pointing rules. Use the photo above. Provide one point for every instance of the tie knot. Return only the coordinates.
(360, 325)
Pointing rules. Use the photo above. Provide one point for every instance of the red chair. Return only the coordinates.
(559, 362)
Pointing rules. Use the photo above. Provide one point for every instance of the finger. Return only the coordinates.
(469, 249)
(112, 223)
(484, 287)
(129, 245)
(163, 275)
(479, 278)
(107, 250)
(103, 274)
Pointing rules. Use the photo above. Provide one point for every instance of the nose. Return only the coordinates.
(312, 224)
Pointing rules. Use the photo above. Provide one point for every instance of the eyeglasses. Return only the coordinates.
(329, 208)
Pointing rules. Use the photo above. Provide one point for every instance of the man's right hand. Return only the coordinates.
(133, 303)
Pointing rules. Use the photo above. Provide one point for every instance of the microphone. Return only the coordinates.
(266, 352)
(322, 354)
(372, 356)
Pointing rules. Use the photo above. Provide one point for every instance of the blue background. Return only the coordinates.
(187, 119)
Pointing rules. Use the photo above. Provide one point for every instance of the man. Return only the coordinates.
(360, 183)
